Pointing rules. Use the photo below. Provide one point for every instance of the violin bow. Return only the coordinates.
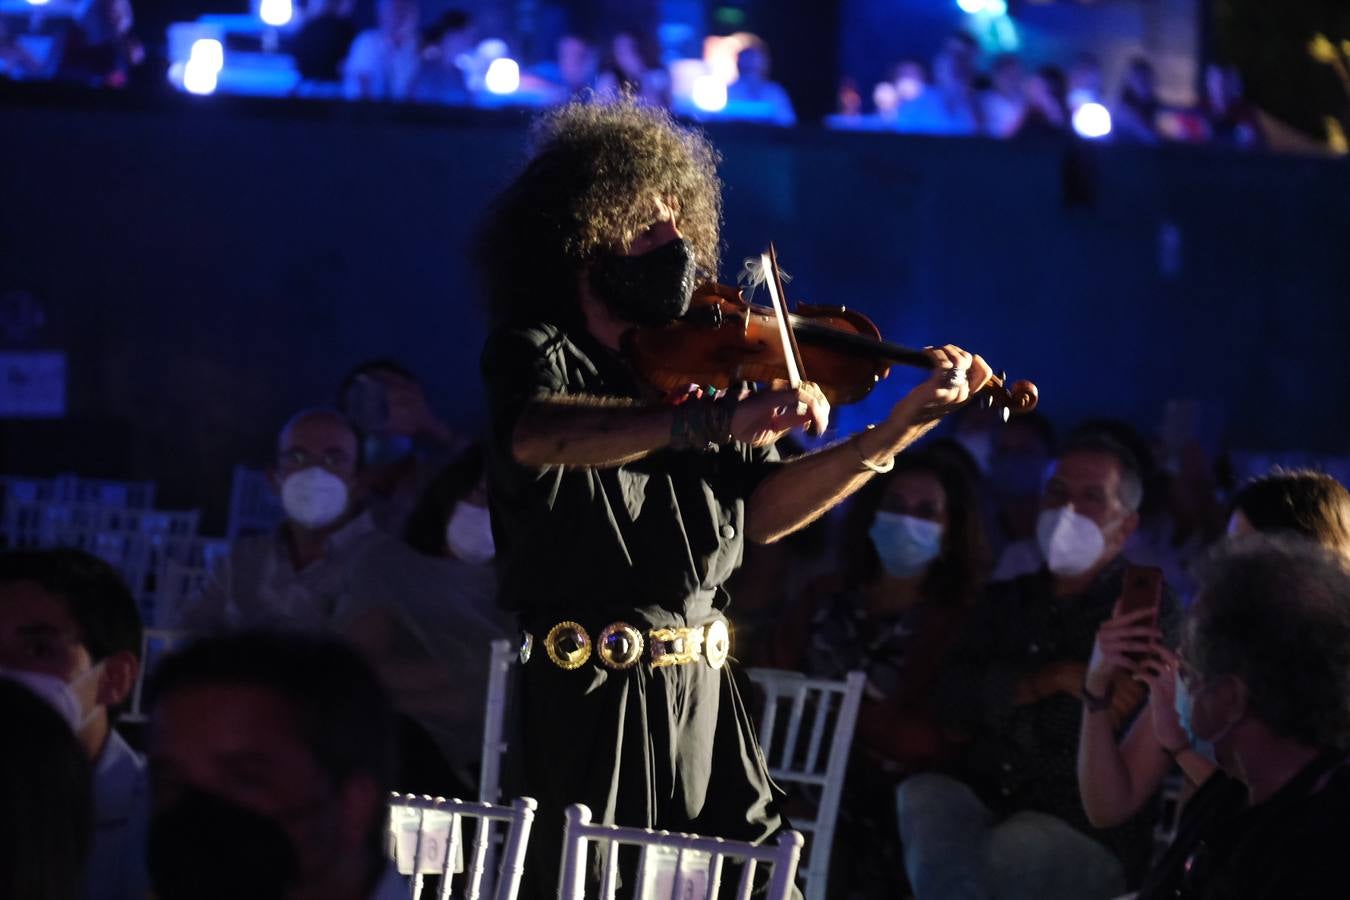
(792, 354)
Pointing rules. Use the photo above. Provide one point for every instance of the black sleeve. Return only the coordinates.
(520, 366)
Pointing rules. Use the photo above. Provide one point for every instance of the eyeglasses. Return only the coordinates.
(300, 458)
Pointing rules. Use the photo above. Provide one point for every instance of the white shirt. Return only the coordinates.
(377, 69)
(116, 868)
(257, 585)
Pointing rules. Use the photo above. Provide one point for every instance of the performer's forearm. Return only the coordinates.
(589, 431)
(803, 489)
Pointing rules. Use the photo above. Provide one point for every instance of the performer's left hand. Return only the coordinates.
(957, 377)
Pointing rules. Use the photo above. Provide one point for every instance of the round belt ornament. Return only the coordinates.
(568, 645)
(620, 646)
(716, 644)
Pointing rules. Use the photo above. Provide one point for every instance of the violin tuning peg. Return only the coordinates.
(987, 401)
(1005, 413)
(1003, 377)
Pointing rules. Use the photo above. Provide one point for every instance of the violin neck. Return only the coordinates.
(822, 336)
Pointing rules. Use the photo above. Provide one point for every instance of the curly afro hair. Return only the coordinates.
(595, 174)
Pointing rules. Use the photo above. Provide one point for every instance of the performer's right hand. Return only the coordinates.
(765, 416)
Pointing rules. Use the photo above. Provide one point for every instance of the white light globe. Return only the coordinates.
(1092, 121)
(971, 7)
(208, 53)
(199, 78)
(503, 76)
(996, 7)
(276, 12)
(709, 93)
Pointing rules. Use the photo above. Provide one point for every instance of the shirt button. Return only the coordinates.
(1007, 767)
(1033, 648)
(1007, 792)
(728, 532)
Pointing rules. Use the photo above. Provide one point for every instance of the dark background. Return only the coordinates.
(211, 267)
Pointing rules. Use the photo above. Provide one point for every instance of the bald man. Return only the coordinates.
(299, 577)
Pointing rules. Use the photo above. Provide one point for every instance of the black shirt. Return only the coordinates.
(1292, 847)
(1026, 757)
(652, 540)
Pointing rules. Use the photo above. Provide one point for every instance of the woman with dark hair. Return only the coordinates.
(915, 560)
(1116, 784)
(47, 800)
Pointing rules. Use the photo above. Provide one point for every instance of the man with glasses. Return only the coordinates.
(1264, 677)
(299, 577)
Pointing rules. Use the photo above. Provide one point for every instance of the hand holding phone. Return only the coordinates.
(1131, 634)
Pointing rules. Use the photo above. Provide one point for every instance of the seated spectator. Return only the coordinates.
(440, 77)
(1014, 816)
(1085, 82)
(323, 40)
(426, 620)
(572, 75)
(632, 68)
(1116, 780)
(752, 96)
(894, 614)
(948, 106)
(1023, 450)
(1265, 678)
(300, 577)
(404, 444)
(271, 759)
(1047, 109)
(69, 629)
(1135, 114)
(45, 794)
(1233, 121)
(15, 61)
(1003, 104)
(383, 61)
(102, 50)
(908, 79)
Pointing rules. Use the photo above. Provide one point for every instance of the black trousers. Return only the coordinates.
(671, 748)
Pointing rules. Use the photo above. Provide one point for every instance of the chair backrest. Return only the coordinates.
(673, 866)
(254, 506)
(504, 655)
(426, 837)
(175, 584)
(797, 753)
(155, 643)
(102, 492)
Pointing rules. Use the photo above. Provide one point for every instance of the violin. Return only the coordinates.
(724, 340)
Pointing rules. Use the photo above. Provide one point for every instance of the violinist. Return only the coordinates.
(619, 512)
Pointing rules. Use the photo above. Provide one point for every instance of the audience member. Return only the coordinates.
(440, 75)
(1047, 108)
(271, 761)
(323, 40)
(948, 106)
(752, 96)
(1014, 820)
(1264, 677)
(101, 50)
(1233, 121)
(1023, 450)
(1004, 104)
(300, 577)
(404, 443)
(908, 79)
(893, 613)
(383, 61)
(426, 620)
(45, 798)
(1135, 114)
(633, 68)
(572, 76)
(1085, 82)
(1117, 780)
(70, 631)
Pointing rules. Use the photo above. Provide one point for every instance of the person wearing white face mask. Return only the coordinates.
(71, 633)
(916, 558)
(424, 613)
(1014, 816)
(300, 576)
(1265, 680)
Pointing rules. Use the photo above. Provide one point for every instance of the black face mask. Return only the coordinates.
(205, 848)
(651, 289)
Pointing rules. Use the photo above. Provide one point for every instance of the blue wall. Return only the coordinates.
(211, 267)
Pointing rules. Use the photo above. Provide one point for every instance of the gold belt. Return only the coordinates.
(622, 646)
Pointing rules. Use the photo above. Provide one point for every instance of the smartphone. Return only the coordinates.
(367, 403)
(1142, 589)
